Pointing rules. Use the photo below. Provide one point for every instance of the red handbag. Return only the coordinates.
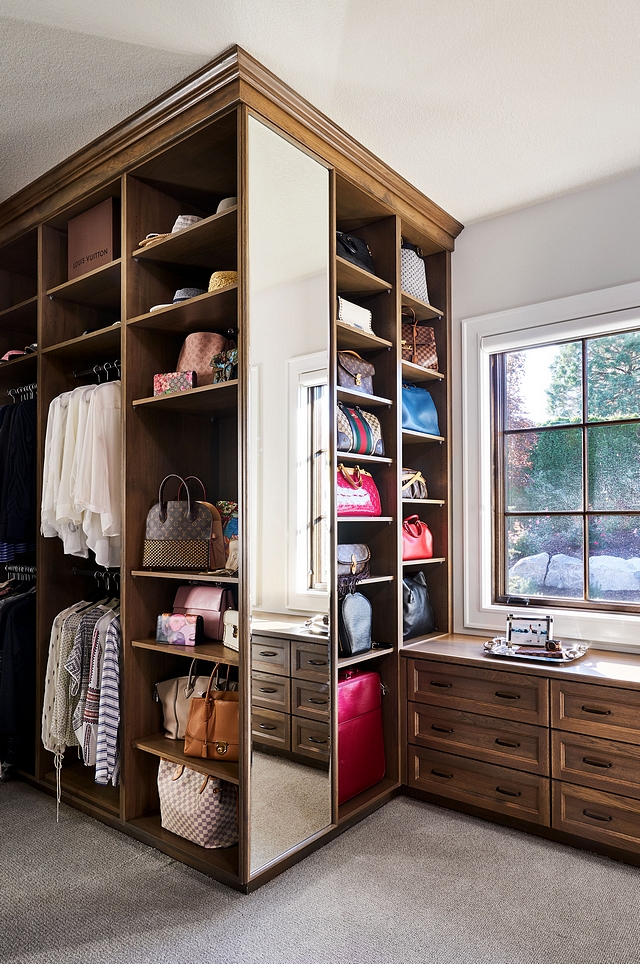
(361, 761)
(417, 541)
(356, 492)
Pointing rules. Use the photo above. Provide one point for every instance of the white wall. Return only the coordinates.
(577, 243)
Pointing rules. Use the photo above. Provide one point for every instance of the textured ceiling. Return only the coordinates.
(485, 105)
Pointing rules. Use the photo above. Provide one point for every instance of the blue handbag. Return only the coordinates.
(418, 410)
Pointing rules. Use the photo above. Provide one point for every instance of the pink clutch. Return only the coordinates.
(170, 382)
(180, 629)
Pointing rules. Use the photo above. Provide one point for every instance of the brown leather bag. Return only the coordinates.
(418, 342)
(355, 373)
(212, 727)
(197, 351)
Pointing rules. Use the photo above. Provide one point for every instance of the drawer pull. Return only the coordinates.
(441, 729)
(444, 686)
(513, 746)
(597, 763)
(317, 702)
(268, 653)
(312, 739)
(267, 726)
(268, 689)
(438, 773)
(509, 793)
(317, 662)
(508, 696)
(597, 816)
(591, 709)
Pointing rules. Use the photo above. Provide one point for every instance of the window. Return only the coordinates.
(566, 431)
(319, 488)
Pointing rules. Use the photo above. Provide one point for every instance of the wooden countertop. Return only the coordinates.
(596, 666)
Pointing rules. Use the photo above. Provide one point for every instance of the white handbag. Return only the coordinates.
(230, 632)
(174, 694)
(413, 272)
(354, 315)
(197, 807)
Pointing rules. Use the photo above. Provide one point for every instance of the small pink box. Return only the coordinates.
(170, 382)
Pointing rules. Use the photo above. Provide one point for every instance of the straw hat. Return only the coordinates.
(220, 279)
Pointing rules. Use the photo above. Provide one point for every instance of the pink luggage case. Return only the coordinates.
(360, 738)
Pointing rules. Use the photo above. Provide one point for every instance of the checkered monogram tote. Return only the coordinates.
(197, 807)
(183, 534)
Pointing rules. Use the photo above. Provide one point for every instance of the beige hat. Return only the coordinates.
(181, 222)
(220, 279)
(226, 203)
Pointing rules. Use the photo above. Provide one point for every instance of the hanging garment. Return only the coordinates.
(87, 726)
(18, 683)
(49, 723)
(17, 479)
(107, 749)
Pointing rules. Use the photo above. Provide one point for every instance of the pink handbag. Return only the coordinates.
(356, 492)
(417, 541)
(210, 602)
(197, 351)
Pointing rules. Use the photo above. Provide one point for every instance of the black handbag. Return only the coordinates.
(417, 614)
(354, 250)
(354, 624)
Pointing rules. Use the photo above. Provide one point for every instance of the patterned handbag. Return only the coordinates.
(355, 373)
(354, 564)
(197, 351)
(225, 366)
(197, 807)
(413, 485)
(356, 493)
(183, 535)
(358, 431)
(413, 273)
(418, 342)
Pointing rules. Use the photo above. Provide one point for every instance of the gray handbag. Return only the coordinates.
(355, 624)
(174, 694)
(413, 272)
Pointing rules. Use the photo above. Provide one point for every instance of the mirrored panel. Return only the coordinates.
(289, 485)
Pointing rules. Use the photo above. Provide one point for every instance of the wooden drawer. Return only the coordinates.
(605, 817)
(310, 699)
(271, 728)
(310, 738)
(509, 696)
(271, 692)
(269, 655)
(310, 660)
(604, 711)
(602, 764)
(522, 746)
(512, 792)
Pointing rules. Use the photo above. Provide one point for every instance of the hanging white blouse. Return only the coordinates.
(69, 518)
(53, 450)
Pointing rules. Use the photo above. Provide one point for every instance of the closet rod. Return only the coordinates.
(105, 367)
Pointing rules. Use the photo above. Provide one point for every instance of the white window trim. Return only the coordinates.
(595, 312)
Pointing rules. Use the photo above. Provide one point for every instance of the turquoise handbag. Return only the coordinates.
(418, 410)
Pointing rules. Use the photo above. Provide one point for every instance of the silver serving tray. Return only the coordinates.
(501, 648)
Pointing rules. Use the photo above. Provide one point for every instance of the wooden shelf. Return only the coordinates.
(416, 373)
(357, 282)
(353, 457)
(412, 438)
(89, 347)
(422, 309)
(424, 501)
(350, 337)
(99, 288)
(365, 518)
(210, 242)
(344, 661)
(219, 398)
(367, 800)
(212, 652)
(374, 579)
(362, 399)
(24, 311)
(160, 745)
(183, 576)
(410, 563)
(222, 862)
(79, 780)
(212, 311)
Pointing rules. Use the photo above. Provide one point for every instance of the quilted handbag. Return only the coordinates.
(413, 273)
(355, 373)
(354, 250)
(418, 342)
(197, 807)
(356, 493)
(417, 615)
(210, 602)
(197, 351)
(413, 485)
(212, 726)
(174, 695)
(354, 561)
(417, 541)
(354, 315)
(182, 534)
(419, 413)
(358, 431)
(354, 624)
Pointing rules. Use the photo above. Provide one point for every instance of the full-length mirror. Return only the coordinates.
(289, 484)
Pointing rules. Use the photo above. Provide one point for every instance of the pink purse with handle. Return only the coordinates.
(356, 492)
(210, 602)
(197, 351)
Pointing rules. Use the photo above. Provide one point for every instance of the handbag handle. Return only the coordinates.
(184, 483)
(191, 679)
(207, 699)
(417, 476)
(355, 480)
(163, 505)
(414, 324)
(413, 525)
